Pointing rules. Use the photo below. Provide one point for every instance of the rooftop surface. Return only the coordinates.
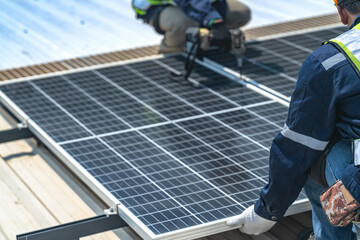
(41, 31)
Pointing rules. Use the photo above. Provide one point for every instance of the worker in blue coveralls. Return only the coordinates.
(324, 111)
(173, 18)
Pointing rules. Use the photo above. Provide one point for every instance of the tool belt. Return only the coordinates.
(317, 170)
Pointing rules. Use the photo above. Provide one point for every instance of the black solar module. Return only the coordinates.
(177, 159)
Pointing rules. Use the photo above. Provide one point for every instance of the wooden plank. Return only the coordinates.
(14, 217)
(282, 232)
(25, 196)
(304, 219)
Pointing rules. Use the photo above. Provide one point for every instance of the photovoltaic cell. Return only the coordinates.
(130, 185)
(232, 90)
(175, 155)
(139, 85)
(192, 189)
(115, 100)
(88, 112)
(58, 125)
(203, 100)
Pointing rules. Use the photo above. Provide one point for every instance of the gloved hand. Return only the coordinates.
(250, 223)
(220, 35)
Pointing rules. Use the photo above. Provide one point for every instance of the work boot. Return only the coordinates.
(306, 234)
(312, 236)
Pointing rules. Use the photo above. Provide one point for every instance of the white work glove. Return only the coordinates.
(250, 223)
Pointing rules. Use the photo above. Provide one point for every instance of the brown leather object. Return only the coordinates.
(339, 205)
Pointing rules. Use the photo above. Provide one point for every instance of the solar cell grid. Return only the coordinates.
(217, 146)
(283, 62)
(307, 41)
(230, 89)
(59, 126)
(204, 100)
(273, 112)
(328, 34)
(116, 100)
(149, 92)
(119, 177)
(88, 112)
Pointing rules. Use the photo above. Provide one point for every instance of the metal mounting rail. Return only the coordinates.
(77, 229)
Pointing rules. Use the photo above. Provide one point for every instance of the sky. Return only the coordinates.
(38, 31)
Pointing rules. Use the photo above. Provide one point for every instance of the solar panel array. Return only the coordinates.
(175, 155)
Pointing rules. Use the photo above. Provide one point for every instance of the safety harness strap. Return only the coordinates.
(349, 44)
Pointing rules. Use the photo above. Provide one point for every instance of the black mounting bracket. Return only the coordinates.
(15, 134)
(77, 229)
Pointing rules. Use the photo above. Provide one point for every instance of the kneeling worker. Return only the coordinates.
(173, 18)
(323, 119)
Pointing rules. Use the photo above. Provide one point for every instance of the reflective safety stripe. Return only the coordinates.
(159, 2)
(349, 43)
(141, 6)
(328, 63)
(307, 141)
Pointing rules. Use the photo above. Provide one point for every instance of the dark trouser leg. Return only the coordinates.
(174, 23)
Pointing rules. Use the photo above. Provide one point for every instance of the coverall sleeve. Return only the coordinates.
(309, 127)
(201, 11)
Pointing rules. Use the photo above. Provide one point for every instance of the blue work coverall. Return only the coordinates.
(326, 99)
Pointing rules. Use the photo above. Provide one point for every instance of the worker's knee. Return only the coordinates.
(174, 23)
(172, 19)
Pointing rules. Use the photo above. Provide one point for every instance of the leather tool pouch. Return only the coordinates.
(339, 205)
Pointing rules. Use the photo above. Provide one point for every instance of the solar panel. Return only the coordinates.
(177, 160)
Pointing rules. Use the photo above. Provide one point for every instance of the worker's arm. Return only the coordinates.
(201, 11)
(309, 127)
